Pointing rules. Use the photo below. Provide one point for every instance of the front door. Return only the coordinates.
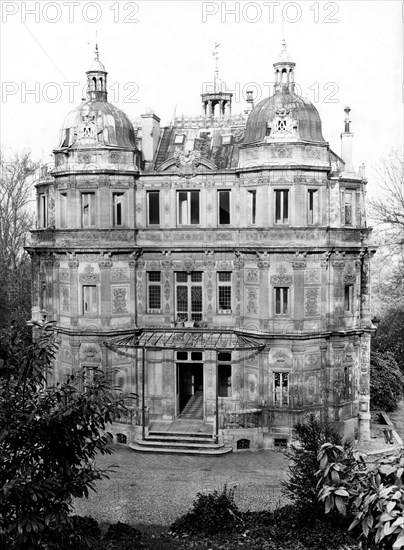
(190, 390)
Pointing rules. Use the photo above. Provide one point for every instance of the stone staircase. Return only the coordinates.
(194, 407)
(181, 436)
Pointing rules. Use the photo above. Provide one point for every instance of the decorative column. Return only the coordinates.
(35, 285)
(140, 293)
(364, 291)
(74, 289)
(168, 291)
(299, 265)
(56, 290)
(132, 286)
(364, 390)
(263, 306)
(209, 264)
(239, 263)
(105, 265)
(338, 263)
(49, 306)
(324, 381)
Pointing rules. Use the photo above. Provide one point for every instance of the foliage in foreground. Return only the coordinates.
(374, 494)
(389, 336)
(212, 513)
(301, 485)
(386, 381)
(49, 439)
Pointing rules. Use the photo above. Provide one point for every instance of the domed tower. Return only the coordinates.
(278, 123)
(83, 246)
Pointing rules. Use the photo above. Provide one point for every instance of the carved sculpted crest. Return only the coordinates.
(187, 162)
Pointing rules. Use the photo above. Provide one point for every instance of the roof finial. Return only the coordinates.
(216, 74)
(96, 52)
(283, 35)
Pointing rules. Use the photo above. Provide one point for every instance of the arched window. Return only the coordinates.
(243, 444)
(100, 87)
(94, 84)
(121, 438)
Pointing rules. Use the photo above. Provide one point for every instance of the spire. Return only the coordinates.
(216, 102)
(97, 78)
(216, 73)
(284, 69)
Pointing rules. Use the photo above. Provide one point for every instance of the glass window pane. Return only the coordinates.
(154, 207)
(194, 207)
(181, 277)
(196, 356)
(224, 276)
(154, 276)
(196, 277)
(224, 207)
(224, 356)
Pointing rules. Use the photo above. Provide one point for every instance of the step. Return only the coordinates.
(179, 444)
(188, 438)
(202, 435)
(213, 450)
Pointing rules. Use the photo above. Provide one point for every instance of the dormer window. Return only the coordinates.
(179, 139)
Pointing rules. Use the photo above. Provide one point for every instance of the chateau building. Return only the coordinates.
(218, 267)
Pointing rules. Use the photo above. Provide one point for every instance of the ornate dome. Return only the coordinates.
(305, 117)
(97, 123)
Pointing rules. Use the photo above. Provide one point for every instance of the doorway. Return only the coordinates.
(190, 390)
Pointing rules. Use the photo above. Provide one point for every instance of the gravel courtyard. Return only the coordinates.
(147, 489)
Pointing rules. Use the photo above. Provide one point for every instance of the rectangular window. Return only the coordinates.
(118, 209)
(43, 211)
(312, 207)
(224, 373)
(281, 300)
(90, 306)
(224, 291)
(348, 298)
(282, 206)
(153, 291)
(88, 209)
(188, 207)
(153, 207)
(224, 207)
(348, 207)
(281, 389)
(63, 210)
(252, 206)
(188, 290)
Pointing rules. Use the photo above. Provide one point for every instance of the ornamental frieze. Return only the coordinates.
(89, 276)
(119, 300)
(119, 274)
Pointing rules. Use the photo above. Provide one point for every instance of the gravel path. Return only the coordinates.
(157, 489)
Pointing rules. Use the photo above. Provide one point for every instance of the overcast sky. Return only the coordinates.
(158, 55)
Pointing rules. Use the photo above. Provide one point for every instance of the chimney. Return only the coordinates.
(346, 143)
(150, 137)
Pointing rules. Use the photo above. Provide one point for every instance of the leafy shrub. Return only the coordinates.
(386, 381)
(301, 485)
(49, 438)
(374, 492)
(212, 513)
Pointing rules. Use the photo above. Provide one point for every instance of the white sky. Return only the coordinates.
(162, 60)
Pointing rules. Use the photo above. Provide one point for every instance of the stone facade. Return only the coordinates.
(226, 225)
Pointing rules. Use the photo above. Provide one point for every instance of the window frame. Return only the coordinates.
(283, 291)
(154, 285)
(281, 205)
(43, 211)
(220, 193)
(149, 206)
(92, 209)
(278, 396)
(313, 212)
(191, 315)
(115, 205)
(252, 206)
(189, 206)
(94, 306)
(349, 299)
(224, 284)
(227, 363)
(349, 193)
(63, 210)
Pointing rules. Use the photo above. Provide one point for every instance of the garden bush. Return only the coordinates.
(212, 513)
(301, 485)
